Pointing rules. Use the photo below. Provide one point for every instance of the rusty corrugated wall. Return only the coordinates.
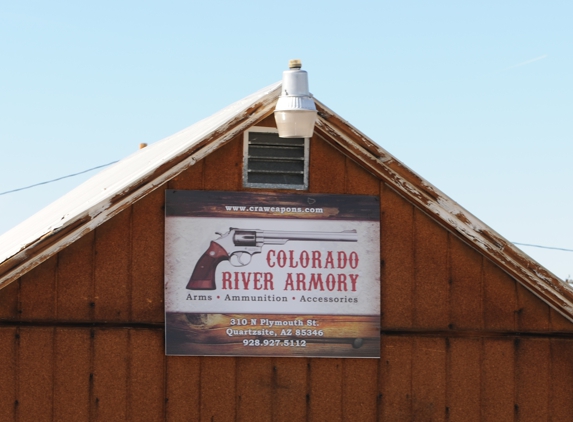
(81, 336)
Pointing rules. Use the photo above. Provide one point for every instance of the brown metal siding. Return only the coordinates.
(183, 380)
(147, 258)
(35, 357)
(72, 368)
(463, 358)
(561, 380)
(290, 389)
(498, 379)
(37, 292)
(8, 371)
(75, 294)
(466, 284)
(81, 335)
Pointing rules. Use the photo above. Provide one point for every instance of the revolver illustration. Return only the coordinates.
(239, 245)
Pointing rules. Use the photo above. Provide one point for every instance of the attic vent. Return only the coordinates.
(273, 162)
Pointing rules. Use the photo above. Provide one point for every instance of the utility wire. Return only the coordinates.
(59, 178)
(113, 162)
(543, 247)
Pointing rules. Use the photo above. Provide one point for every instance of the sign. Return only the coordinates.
(253, 274)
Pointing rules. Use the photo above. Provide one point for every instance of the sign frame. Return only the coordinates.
(289, 274)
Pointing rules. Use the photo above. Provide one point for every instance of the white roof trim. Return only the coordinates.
(450, 214)
(93, 200)
(107, 193)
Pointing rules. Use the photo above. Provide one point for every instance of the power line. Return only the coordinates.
(113, 162)
(59, 178)
(543, 247)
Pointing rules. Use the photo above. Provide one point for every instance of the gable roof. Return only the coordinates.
(115, 188)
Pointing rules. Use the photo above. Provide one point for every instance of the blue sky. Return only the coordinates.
(476, 98)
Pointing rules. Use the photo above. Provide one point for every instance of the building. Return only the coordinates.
(471, 328)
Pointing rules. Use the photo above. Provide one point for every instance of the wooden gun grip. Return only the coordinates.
(203, 277)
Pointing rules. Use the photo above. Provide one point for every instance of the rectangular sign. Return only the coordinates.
(253, 274)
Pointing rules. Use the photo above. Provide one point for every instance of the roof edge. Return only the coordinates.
(537, 279)
(52, 239)
(211, 134)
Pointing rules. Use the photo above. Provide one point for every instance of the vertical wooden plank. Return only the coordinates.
(9, 302)
(326, 168)
(75, 280)
(561, 391)
(183, 388)
(147, 257)
(532, 379)
(8, 368)
(559, 322)
(359, 389)
(464, 379)
(497, 389)
(290, 389)
(533, 313)
(268, 121)
(500, 300)
(218, 393)
(112, 278)
(466, 297)
(429, 379)
(359, 181)
(397, 252)
(110, 379)
(146, 376)
(254, 388)
(396, 378)
(38, 292)
(325, 390)
(35, 382)
(431, 273)
(190, 179)
(72, 374)
(222, 168)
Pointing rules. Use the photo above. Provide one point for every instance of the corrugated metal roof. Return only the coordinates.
(115, 188)
(94, 201)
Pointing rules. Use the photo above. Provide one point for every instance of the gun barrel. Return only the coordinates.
(281, 237)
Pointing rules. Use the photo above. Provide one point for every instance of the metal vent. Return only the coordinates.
(273, 162)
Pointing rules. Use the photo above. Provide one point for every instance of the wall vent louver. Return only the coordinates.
(273, 162)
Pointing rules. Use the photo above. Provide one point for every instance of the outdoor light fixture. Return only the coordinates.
(295, 112)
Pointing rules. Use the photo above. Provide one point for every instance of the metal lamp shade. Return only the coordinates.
(295, 123)
(295, 113)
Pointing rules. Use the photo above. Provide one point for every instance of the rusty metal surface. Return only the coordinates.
(121, 374)
(431, 277)
(443, 209)
(489, 350)
(116, 188)
(106, 194)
